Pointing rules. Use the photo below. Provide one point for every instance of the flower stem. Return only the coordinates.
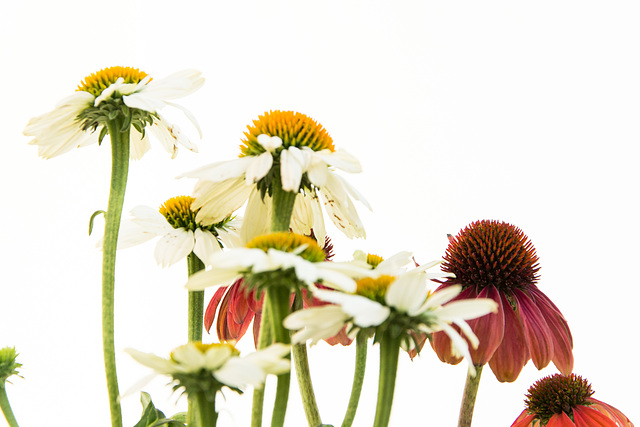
(469, 397)
(196, 301)
(206, 411)
(283, 202)
(279, 297)
(362, 341)
(6, 408)
(389, 351)
(303, 374)
(195, 317)
(264, 339)
(119, 170)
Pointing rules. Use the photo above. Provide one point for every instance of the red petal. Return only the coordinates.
(560, 420)
(210, 312)
(340, 338)
(524, 419)
(587, 417)
(560, 333)
(610, 411)
(538, 336)
(489, 329)
(512, 354)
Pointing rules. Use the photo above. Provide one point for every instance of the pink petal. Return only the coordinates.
(512, 354)
(489, 329)
(560, 333)
(538, 336)
(587, 417)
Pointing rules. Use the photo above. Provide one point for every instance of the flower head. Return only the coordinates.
(560, 401)
(492, 259)
(198, 367)
(8, 364)
(179, 231)
(401, 302)
(277, 259)
(287, 149)
(123, 93)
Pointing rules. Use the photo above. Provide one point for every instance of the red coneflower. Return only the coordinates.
(494, 259)
(565, 401)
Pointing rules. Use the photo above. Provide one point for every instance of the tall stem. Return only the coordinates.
(469, 397)
(265, 338)
(119, 171)
(279, 298)
(195, 317)
(6, 408)
(389, 351)
(362, 341)
(303, 374)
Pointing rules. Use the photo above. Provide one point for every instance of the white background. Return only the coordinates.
(525, 112)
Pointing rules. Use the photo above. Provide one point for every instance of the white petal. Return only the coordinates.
(174, 246)
(221, 171)
(365, 312)
(341, 210)
(217, 356)
(341, 160)
(467, 309)
(217, 276)
(408, 292)
(258, 167)
(238, 373)
(269, 143)
(442, 296)
(150, 220)
(139, 144)
(257, 217)
(271, 359)
(189, 357)
(206, 245)
(394, 264)
(316, 323)
(218, 201)
(158, 364)
(291, 168)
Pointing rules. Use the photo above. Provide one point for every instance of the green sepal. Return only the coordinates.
(152, 417)
(93, 216)
(103, 132)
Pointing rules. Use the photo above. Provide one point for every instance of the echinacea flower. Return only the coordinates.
(108, 94)
(234, 307)
(277, 259)
(287, 149)
(402, 303)
(180, 234)
(492, 259)
(217, 365)
(565, 401)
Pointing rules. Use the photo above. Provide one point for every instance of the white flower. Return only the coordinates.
(61, 129)
(306, 164)
(178, 238)
(406, 296)
(221, 361)
(228, 266)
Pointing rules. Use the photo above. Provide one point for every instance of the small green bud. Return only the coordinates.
(8, 364)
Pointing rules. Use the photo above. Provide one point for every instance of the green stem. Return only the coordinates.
(303, 374)
(469, 397)
(6, 408)
(195, 317)
(279, 301)
(283, 202)
(206, 411)
(389, 351)
(265, 338)
(119, 171)
(362, 341)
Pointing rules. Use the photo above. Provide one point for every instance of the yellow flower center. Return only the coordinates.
(374, 260)
(288, 242)
(374, 288)
(97, 82)
(294, 129)
(205, 347)
(179, 214)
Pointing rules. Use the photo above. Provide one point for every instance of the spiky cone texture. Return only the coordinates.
(565, 401)
(496, 260)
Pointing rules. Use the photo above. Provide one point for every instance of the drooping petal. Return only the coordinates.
(219, 200)
(139, 144)
(512, 354)
(210, 311)
(341, 209)
(258, 167)
(584, 416)
(292, 166)
(611, 412)
(538, 336)
(341, 160)
(489, 328)
(206, 245)
(257, 216)
(174, 246)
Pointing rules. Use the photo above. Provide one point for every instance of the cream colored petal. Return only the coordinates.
(189, 357)
(217, 201)
(139, 144)
(257, 217)
(174, 246)
(206, 245)
(217, 356)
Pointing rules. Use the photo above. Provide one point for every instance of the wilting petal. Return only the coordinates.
(536, 331)
(512, 354)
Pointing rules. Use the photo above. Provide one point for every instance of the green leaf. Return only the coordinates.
(95, 214)
(152, 417)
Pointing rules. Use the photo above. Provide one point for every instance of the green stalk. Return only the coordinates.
(195, 317)
(196, 301)
(279, 298)
(469, 397)
(389, 351)
(362, 341)
(205, 410)
(303, 374)
(265, 338)
(6, 408)
(119, 170)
